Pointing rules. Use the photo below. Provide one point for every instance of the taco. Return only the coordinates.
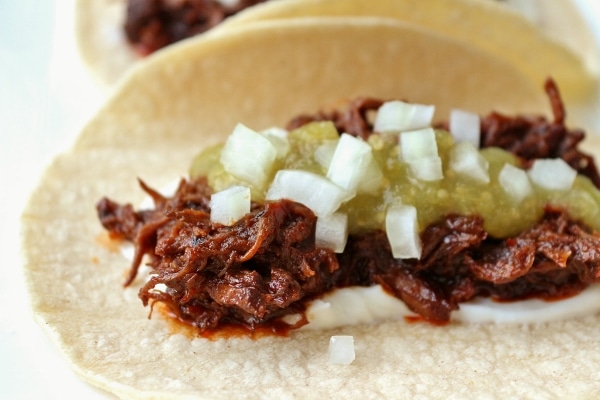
(177, 104)
(105, 47)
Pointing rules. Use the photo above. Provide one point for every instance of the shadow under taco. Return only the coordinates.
(190, 97)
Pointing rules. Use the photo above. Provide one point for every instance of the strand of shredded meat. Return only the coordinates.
(153, 24)
(267, 265)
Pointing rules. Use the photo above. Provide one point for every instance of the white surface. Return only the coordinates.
(45, 96)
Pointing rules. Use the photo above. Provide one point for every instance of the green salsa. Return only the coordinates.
(433, 200)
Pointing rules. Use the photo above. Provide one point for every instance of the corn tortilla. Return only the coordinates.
(262, 74)
(544, 38)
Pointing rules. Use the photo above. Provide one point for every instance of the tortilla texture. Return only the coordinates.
(191, 96)
(544, 34)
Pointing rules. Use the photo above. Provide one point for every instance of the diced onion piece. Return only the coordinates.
(515, 182)
(319, 194)
(332, 232)
(341, 350)
(465, 127)
(466, 161)
(427, 169)
(279, 139)
(324, 153)
(402, 230)
(397, 116)
(350, 160)
(248, 156)
(552, 174)
(229, 205)
(418, 144)
(371, 179)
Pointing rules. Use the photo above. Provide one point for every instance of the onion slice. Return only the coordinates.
(332, 232)
(552, 174)
(318, 193)
(515, 182)
(465, 127)
(468, 162)
(402, 230)
(248, 156)
(397, 116)
(229, 205)
(349, 163)
(341, 350)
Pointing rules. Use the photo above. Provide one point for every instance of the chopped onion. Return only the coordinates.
(349, 163)
(229, 205)
(418, 144)
(397, 116)
(316, 192)
(279, 139)
(552, 174)
(427, 169)
(248, 156)
(332, 232)
(341, 350)
(371, 179)
(402, 230)
(515, 182)
(465, 127)
(419, 149)
(324, 153)
(466, 161)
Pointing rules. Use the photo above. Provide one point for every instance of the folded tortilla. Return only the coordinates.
(192, 95)
(508, 29)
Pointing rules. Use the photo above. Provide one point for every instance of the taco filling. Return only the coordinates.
(153, 24)
(500, 207)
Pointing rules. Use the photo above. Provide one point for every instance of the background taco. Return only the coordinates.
(507, 29)
(192, 95)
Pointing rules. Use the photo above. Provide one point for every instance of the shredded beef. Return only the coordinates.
(153, 24)
(528, 137)
(267, 264)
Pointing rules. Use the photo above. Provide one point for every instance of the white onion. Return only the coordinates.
(397, 116)
(515, 182)
(467, 161)
(229, 205)
(552, 174)
(530, 311)
(279, 139)
(465, 127)
(402, 231)
(427, 169)
(318, 193)
(324, 153)
(341, 350)
(332, 232)
(248, 156)
(418, 144)
(349, 163)
(371, 179)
